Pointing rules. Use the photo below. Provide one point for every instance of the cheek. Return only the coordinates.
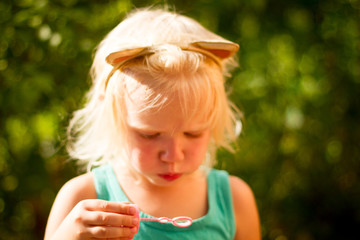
(197, 151)
(142, 154)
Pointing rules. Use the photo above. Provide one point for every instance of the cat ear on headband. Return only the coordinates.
(218, 50)
(222, 50)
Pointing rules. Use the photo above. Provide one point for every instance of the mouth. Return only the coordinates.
(170, 176)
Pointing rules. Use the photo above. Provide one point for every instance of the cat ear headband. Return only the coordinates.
(216, 50)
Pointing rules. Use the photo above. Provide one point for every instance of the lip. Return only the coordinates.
(170, 176)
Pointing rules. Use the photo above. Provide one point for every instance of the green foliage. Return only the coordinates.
(298, 86)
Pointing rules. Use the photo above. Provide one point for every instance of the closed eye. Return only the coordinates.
(193, 134)
(149, 136)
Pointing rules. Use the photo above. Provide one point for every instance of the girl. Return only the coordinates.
(156, 113)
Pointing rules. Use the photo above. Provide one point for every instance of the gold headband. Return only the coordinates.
(217, 50)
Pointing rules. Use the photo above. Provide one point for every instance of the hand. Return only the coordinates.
(99, 219)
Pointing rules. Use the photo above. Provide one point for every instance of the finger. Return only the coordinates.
(108, 232)
(110, 219)
(118, 238)
(107, 206)
(122, 238)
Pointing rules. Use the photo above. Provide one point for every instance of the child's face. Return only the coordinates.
(164, 147)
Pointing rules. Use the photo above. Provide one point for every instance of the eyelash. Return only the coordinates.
(192, 135)
(149, 136)
(152, 136)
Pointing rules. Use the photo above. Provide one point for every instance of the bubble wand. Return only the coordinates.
(177, 221)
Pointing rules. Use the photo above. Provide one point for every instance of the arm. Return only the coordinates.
(77, 214)
(246, 214)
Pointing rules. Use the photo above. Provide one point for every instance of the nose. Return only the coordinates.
(172, 151)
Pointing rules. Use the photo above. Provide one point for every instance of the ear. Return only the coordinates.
(123, 55)
(221, 49)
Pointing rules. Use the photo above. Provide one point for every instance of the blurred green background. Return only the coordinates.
(298, 85)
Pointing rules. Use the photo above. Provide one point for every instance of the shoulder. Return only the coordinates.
(80, 188)
(245, 210)
(74, 191)
(240, 190)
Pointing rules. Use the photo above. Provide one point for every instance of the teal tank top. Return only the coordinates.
(218, 223)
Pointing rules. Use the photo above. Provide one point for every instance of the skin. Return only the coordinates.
(77, 214)
(161, 145)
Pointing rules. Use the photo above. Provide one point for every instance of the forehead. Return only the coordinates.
(167, 117)
(152, 100)
(162, 113)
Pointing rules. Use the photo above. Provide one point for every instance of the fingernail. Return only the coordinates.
(132, 210)
(133, 230)
(135, 221)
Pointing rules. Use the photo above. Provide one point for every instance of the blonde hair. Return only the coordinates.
(97, 131)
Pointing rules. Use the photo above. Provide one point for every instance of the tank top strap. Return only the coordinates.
(220, 195)
(106, 184)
